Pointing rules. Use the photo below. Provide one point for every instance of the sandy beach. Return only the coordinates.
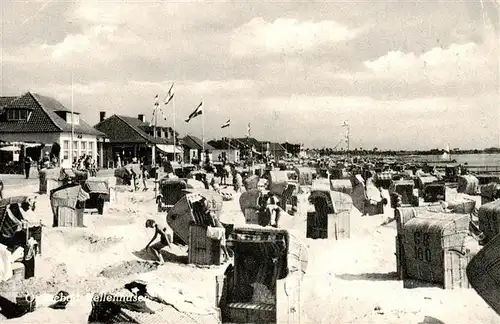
(348, 281)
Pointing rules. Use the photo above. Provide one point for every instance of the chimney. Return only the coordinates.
(141, 118)
(102, 116)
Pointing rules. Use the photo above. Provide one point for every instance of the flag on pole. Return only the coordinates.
(169, 98)
(226, 124)
(170, 94)
(156, 100)
(171, 90)
(248, 130)
(198, 111)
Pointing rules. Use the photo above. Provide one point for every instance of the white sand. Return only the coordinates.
(345, 280)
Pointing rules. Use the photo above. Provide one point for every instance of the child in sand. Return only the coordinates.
(165, 239)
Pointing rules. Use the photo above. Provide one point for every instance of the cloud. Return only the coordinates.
(398, 71)
(438, 66)
(259, 37)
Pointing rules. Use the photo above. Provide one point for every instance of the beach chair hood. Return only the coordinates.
(67, 196)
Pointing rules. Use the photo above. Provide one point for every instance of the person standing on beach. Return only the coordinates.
(27, 165)
(144, 176)
(216, 223)
(118, 161)
(237, 181)
(226, 171)
(165, 240)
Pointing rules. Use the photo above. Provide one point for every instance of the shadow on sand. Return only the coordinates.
(431, 320)
(9, 309)
(390, 276)
(167, 256)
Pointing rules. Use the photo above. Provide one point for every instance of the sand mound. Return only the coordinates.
(58, 280)
(141, 198)
(117, 218)
(82, 240)
(128, 268)
(93, 243)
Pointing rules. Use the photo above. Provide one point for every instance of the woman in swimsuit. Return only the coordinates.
(165, 239)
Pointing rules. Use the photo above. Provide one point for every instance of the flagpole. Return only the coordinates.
(155, 114)
(203, 129)
(72, 121)
(348, 135)
(175, 144)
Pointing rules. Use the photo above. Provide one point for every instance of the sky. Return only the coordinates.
(404, 74)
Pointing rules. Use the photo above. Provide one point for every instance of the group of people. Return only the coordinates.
(45, 162)
(139, 171)
(269, 208)
(86, 163)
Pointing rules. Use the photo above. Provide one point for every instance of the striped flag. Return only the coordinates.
(198, 111)
(226, 124)
(248, 130)
(170, 94)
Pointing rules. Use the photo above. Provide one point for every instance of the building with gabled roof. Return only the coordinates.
(131, 137)
(275, 150)
(36, 119)
(193, 149)
(225, 149)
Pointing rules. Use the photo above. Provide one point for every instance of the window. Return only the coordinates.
(75, 120)
(84, 147)
(65, 150)
(75, 150)
(17, 114)
(90, 149)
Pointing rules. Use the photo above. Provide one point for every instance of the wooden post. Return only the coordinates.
(101, 154)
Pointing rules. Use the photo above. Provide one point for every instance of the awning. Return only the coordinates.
(10, 148)
(19, 144)
(169, 148)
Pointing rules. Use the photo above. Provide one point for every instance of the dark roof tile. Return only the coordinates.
(222, 145)
(195, 143)
(125, 129)
(44, 118)
(5, 100)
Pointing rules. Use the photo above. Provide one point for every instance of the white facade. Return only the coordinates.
(195, 155)
(231, 155)
(82, 144)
